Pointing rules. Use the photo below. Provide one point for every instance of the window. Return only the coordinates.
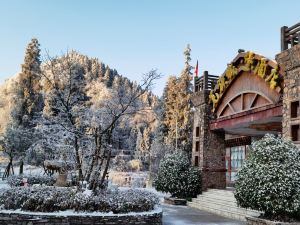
(295, 132)
(197, 146)
(196, 161)
(294, 109)
(197, 131)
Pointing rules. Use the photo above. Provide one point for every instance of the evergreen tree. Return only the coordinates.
(184, 103)
(108, 77)
(29, 98)
(171, 107)
(177, 107)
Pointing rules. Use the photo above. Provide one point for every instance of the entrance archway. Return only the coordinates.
(246, 104)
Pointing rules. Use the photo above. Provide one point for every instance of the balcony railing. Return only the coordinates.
(205, 82)
(290, 36)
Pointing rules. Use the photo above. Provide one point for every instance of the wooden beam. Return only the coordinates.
(284, 44)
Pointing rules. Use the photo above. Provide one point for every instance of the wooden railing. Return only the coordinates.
(290, 36)
(205, 82)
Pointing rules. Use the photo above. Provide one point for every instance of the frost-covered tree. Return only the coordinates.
(123, 102)
(177, 177)
(28, 90)
(20, 131)
(171, 110)
(15, 143)
(269, 180)
(184, 104)
(65, 97)
(177, 106)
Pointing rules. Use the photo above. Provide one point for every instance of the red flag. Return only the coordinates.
(196, 69)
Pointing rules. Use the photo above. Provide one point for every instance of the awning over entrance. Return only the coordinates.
(255, 122)
(247, 97)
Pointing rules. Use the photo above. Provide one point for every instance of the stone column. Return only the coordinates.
(211, 151)
(289, 63)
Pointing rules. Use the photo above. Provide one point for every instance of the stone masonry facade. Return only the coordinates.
(289, 62)
(210, 152)
(22, 219)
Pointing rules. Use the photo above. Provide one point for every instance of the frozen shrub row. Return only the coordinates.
(17, 180)
(50, 199)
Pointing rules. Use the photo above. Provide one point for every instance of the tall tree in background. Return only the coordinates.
(29, 98)
(177, 106)
(184, 100)
(19, 134)
(172, 109)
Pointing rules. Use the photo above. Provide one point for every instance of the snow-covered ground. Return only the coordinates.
(73, 213)
(3, 185)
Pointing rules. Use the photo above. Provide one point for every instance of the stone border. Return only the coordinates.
(259, 221)
(7, 217)
(175, 201)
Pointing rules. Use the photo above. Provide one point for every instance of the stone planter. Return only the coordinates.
(69, 218)
(260, 221)
(175, 201)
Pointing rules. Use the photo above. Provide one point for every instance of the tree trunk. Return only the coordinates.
(78, 162)
(96, 156)
(106, 168)
(21, 167)
(108, 157)
(8, 169)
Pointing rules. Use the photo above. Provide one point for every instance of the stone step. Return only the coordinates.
(221, 202)
(223, 205)
(220, 192)
(223, 212)
(215, 200)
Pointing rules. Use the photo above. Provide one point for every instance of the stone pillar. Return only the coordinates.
(289, 63)
(210, 152)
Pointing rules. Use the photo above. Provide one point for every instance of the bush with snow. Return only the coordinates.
(17, 180)
(269, 180)
(178, 177)
(50, 199)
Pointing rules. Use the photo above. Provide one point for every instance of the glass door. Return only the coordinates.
(235, 157)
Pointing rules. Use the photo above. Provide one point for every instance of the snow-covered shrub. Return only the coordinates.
(138, 182)
(178, 177)
(50, 199)
(269, 180)
(17, 180)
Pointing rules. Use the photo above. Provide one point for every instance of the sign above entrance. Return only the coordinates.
(253, 68)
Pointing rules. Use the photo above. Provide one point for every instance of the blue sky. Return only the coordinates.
(134, 36)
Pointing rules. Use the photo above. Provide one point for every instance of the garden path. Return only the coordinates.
(185, 215)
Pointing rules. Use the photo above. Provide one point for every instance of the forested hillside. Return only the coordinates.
(35, 123)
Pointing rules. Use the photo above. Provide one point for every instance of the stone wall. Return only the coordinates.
(289, 62)
(211, 152)
(25, 219)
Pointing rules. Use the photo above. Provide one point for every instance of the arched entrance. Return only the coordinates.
(247, 104)
(244, 103)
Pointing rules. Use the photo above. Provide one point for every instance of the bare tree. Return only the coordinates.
(65, 99)
(67, 104)
(124, 102)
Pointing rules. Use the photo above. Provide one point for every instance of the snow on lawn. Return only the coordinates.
(3, 185)
(33, 170)
(73, 213)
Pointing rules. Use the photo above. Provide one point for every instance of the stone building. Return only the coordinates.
(254, 96)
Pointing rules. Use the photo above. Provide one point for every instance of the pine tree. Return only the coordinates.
(171, 107)
(29, 98)
(108, 77)
(184, 95)
(177, 107)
